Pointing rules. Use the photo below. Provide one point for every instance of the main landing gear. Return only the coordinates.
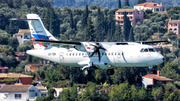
(110, 71)
(88, 71)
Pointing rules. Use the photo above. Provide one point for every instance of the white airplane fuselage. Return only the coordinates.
(114, 57)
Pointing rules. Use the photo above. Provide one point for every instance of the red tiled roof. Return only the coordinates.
(15, 88)
(13, 75)
(149, 4)
(127, 10)
(174, 21)
(3, 67)
(156, 77)
(20, 53)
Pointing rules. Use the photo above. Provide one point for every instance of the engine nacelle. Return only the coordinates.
(89, 47)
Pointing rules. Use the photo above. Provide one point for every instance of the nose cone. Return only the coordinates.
(33, 52)
(160, 59)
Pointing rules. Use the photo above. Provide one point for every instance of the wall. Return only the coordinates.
(146, 81)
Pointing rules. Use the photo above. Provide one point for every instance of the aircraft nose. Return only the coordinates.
(160, 58)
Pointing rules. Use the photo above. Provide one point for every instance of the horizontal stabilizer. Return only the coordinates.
(24, 19)
(59, 42)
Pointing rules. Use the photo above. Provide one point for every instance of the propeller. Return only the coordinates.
(96, 50)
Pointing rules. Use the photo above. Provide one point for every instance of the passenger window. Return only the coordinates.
(69, 54)
(141, 50)
(105, 53)
(79, 54)
(108, 53)
(119, 53)
(145, 50)
(112, 53)
(115, 53)
(73, 54)
(82, 54)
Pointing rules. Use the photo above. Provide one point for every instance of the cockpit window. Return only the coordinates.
(148, 50)
(151, 50)
(145, 50)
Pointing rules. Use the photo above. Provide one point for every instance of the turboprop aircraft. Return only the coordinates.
(99, 55)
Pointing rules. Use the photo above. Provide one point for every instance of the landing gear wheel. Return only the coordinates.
(87, 72)
(110, 71)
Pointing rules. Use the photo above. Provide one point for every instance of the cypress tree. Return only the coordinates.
(141, 1)
(71, 21)
(119, 4)
(131, 35)
(85, 17)
(89, 31)
(127, 26)
(126, 3)
(117, 35)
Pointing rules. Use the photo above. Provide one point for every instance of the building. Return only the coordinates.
(32, 67)
(16, 79)
(133, 14)
(43, 90)
(152, 79)
(20, 93)
(23, 36)
(4, 69)
(174, 26)
(155, 7)
(21, 56)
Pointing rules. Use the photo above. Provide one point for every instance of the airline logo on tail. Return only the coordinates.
(38, 31)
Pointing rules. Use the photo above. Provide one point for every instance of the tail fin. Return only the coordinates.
(38, 31)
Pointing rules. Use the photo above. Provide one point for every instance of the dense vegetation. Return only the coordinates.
(91, 23)
(108, 3)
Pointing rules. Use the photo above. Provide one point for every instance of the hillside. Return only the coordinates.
(107, 3)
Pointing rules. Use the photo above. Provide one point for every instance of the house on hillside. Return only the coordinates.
(155, 7)
(20, 93)
(152, 79)
(174, 26)
(15, 79)
(21, 56)
(133, 14)
(4, 69)
(23, 36)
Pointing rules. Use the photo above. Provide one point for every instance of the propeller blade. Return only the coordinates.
(99, 56)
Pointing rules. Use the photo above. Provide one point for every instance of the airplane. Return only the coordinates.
(99, 55)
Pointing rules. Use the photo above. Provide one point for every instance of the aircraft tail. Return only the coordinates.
(38, 31)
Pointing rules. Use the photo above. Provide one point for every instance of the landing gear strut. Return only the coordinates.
(87, 72)
(110, 71)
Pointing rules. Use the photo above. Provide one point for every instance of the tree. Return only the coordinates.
(71, 21)
(127, 26)
(13, 41)
(89, 31)
(119, 4)
(126, 3)
(117, 35)
(85, 17)
(131, 35)
(141, 1)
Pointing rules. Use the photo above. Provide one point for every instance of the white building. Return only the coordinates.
(155, 7)
(23, 36)
(152, 79)
(19, 93)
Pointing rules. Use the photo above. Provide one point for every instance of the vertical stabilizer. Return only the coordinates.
(38, 31)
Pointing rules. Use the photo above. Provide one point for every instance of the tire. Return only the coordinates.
(87, 72)
(110, 71)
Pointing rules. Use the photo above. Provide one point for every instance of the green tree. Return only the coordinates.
(141, 1)
(131, 35)
(71, 21)
(13, 41)
(126, 3)
(119, 4)
(127, 26)
(118, 34)
(89, 31)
